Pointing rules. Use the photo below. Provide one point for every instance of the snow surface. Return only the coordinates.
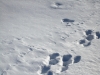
(49, 37)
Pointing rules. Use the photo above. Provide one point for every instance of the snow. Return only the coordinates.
(33, 31)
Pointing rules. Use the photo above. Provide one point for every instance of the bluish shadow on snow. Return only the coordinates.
(67, 20)
(77, 59)
(50, 73)
(54, 55)
(53, 61)
(64, 68)
(90, 37)
(82, 41)
(88, 32)
(87, 44)
(66, 57)
(45, 69)
(98, 35)
(58, 4)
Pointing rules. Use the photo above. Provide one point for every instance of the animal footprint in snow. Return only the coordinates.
(64, 68)
(84, 42)
(98, 35)
(88, 38)
(88, 32)
(53, 59)
(87, 44)
(77, 59)
(54, 55)
(90, 35)
(54, 66)
(67, 20)
(45, 69)
(66, 59)
(50, 73)
(57, 5)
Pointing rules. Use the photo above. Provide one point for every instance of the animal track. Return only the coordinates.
(98, 34)
(56, 5)
(87, 44)
(82, 41)
(54, 60)
(66, 57)
(67, 20)
(67, 63)
(54, 55)
(45, 69)
(88, 32)
(50, 73)
(77, 59)
(89, 37)
(64, 68)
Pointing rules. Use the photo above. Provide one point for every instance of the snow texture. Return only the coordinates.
(49, 37)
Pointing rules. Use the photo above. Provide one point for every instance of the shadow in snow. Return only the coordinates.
(50, 73)
(67, 20)
(54, 55)
(45, 69)
(98, 35)
(77, 59)
(88, 32)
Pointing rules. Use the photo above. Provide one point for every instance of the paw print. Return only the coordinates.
(98, 34)
(55, 59)
(89, 36)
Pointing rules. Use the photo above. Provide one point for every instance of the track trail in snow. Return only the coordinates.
(49, 37)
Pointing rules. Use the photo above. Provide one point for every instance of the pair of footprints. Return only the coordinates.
(66, 60)
(89, 37)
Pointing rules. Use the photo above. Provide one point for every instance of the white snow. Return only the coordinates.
(32, 30)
